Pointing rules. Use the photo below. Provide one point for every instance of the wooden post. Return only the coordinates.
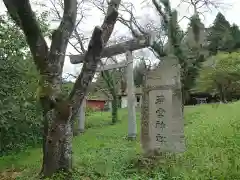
(81, 120)
(132, 124)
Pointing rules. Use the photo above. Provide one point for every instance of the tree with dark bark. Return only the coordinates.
(107, 76)
(112, 88)
(58, 111)
(109, 82)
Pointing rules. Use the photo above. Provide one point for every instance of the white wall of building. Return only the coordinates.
(124, 102)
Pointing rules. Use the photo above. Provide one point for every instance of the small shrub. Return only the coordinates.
(89, 110)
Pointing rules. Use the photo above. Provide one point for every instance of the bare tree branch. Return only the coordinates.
(138, 30)
(202, 6)
(98, 41)
(56, 11)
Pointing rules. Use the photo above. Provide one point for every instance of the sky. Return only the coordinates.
(144, 12)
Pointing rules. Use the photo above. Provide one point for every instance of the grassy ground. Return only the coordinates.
(103, 153)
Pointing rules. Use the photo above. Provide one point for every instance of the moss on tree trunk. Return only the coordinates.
(114, 108)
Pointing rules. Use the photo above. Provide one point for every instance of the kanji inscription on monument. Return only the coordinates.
(162, 116)
(159, 114)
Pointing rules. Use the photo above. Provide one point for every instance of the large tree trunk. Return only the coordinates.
(50, 64)
(57, 140)
(58, 112)
(58, 148)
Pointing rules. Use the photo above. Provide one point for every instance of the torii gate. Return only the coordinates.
(126, 47)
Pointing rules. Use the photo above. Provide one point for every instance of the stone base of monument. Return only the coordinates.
(152, 153)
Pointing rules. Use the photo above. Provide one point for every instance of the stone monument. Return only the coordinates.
(162, 116)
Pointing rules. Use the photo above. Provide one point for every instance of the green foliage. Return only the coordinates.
(220, 75)
(212, 140)
(236, 35)
(66, 88)
(20, 115)
(110, 81)
(89, 110)
(222, 36)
